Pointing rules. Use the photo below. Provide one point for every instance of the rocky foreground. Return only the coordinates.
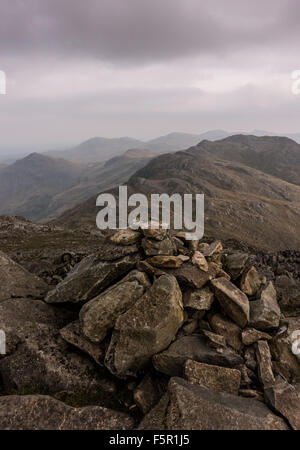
(151, 332)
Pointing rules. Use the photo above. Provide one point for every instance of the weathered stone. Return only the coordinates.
(215, 378)
(146, 395)
(146, 328)
(89, 278)
(233, 301)
(212, 249)
(200, 299)
(153, 247)
(172, 360)
(265, 371)
(284, 348)
(72, 334)
(126, 237)
(193, 407)
(191, 326)
(235, 263)
(166, 261)
(230, 330)
(100, 314)
(15, 281)
(189, 275)
(265, 312)
(251, 335)
(218, 271)
(199, 260)
(40, 412)
(250, 358)
(250, 281)
(285, 399)
(156, 231)
(152, 271)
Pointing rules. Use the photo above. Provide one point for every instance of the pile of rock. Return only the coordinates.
(183, 334)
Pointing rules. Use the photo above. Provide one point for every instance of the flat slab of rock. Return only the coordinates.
(265, 312)
(171, 361)
(192, 407)
(191, 276)
(41, 412)
(251, 335)
(233, 301)
(285, 399)
(167, 261)
(89, 278)
(146, 328)
(100, 314)
(215, 378)
(16, 282)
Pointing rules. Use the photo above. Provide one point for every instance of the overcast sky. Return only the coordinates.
(142, 68)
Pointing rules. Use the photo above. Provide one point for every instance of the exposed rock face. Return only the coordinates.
(234, 302)
(40, 412)
(285, 399)
(147, 328)
(215, 378)
(192, 407)
(100, 314)
(171, 361)
(265, 312)
(15, 281)
(90, 277)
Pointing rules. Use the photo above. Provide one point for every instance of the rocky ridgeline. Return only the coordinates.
(152, 332)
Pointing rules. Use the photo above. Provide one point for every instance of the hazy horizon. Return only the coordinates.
(144, 69)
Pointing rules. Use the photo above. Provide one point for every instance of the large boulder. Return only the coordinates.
(41, 412)
(265, 312)
(37, 358)
(16, 282)
(89, 278)
(285, 399)
(146, 328)
(233, 301)
(171, 361)
(100, 314)
(191, 407)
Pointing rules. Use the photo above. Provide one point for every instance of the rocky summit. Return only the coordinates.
(146, 330)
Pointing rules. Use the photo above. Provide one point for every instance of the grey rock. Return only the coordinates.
(171, 361)
(265, 312)
(154, 247)
(100, 314)
(146, 329)
(41, 412)
(235, 263)
(200, 299)
(15, 281)
(89, 278)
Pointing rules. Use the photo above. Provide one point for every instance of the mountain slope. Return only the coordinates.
(241, 202)
(27, 186)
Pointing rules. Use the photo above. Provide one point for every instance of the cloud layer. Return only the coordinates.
(139, 67)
